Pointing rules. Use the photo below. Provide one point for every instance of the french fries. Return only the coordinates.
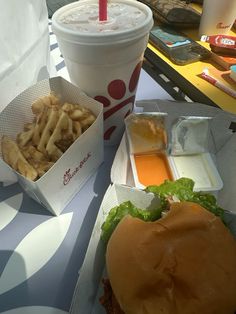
(41, 143)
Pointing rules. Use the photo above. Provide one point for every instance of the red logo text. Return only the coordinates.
(69, 174)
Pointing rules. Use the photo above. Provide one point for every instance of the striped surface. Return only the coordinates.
(56, 54)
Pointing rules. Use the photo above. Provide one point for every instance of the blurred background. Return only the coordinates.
(53, 5)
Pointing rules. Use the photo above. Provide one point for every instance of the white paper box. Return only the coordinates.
(89, 287)
(65, 178)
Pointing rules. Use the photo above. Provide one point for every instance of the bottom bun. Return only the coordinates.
(183, 263)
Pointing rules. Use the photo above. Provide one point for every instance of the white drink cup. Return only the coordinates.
(217, 17)
(104, 58)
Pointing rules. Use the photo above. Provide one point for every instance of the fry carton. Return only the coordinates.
(74, 150)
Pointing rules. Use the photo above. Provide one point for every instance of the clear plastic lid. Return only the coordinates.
(190, 135)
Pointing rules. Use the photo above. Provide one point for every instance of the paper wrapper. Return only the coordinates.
(65, 178)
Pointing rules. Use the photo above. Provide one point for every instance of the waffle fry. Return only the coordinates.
(41, 143)
(50, 125)
(37, 159)
(25, 137)
(13, 156)
(45, 102)
(64, 124)
(80, 114)
(87, 121)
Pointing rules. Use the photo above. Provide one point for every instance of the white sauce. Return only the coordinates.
(196, 168)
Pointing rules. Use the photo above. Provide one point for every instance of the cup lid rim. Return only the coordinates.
(73, 35)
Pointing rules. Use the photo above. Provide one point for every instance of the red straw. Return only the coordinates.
(102, 10)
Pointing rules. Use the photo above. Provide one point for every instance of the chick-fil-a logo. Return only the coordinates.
(69, 174)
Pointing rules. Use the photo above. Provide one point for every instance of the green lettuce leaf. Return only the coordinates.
(127, 208)
(182, 189)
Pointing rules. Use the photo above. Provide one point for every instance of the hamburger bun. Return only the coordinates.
(183, 263)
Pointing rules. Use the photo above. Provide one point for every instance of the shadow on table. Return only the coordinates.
(28, 205)
(13, 284)
(101, 183)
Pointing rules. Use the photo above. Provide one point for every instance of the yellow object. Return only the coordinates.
(192, 71)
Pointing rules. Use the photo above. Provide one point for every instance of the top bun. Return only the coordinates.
(183, 263)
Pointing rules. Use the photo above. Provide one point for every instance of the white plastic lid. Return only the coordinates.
(127, 34)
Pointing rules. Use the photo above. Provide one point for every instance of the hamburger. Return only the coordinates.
(181, 263)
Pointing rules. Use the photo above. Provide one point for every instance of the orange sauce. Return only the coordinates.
(152, 169)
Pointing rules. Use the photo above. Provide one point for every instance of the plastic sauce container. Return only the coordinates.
(150, 169)
(200, 168)
(155, 168)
